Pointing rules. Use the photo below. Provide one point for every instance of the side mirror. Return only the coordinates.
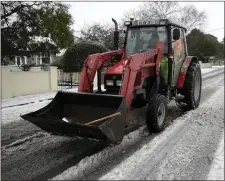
(176, 34)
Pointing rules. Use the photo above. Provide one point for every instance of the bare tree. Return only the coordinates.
(191, 18)
(102, 33)
(154, 10)
(187, 16)
(130, 12)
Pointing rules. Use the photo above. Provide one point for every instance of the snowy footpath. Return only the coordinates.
(12, 108)
(217, 168)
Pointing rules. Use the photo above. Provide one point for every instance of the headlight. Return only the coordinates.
(109, 82)
(118, 82)
(126, 23)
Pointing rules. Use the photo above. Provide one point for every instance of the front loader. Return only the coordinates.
(152, 69)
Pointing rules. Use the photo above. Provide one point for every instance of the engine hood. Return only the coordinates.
(117, 68)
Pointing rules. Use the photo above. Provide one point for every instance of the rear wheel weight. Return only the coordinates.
(156, 114)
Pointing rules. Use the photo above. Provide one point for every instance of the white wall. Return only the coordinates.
(18, 83)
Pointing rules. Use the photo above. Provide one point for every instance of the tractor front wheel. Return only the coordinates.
(156, 113)
(192, 87)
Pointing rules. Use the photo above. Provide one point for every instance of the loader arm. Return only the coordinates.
(136, 63)
(91, 64)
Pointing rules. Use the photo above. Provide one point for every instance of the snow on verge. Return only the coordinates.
(12, 114)
(35, 98)
(217, 167)
(26, 99)
(208, 70)
(88, 164)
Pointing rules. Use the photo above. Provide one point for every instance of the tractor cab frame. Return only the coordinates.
(173, 32)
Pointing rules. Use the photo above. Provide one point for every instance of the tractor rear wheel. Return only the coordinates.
(156, 113)
(192, 87)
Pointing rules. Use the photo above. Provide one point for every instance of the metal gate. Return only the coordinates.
(68, 80)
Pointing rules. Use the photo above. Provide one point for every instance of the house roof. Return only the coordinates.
(37, 47)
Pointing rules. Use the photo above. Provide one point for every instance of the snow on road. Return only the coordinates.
(167, 155)
(207, 70)
(138, 166)
(217, 167)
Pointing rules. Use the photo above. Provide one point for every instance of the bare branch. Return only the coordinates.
(187, 16)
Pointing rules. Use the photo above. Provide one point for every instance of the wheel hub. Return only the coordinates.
(161, 114)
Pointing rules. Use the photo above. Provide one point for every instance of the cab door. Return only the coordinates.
(179, 53)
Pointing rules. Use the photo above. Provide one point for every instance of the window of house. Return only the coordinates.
(46, 60)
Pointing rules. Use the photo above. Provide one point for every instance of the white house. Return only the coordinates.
(38, 58)
(42, 53)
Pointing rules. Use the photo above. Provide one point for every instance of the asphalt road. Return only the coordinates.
(30, 154)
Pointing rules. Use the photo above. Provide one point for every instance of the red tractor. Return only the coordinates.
(152, 69)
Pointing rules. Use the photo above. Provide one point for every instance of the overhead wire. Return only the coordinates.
(215, 29)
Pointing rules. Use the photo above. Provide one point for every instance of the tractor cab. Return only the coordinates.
(144, 35)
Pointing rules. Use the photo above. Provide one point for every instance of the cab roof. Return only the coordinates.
(153, 22)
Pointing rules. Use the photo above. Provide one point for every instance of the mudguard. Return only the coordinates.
(183, 70)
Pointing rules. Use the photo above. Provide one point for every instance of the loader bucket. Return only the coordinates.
(79, 109)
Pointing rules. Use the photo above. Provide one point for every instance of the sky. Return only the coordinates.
(90, 12)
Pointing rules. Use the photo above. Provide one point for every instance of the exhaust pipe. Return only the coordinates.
(116, 35)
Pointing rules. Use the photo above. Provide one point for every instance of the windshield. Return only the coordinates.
(145, 38)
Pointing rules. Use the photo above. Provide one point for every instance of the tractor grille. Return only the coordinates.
(114, 78)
